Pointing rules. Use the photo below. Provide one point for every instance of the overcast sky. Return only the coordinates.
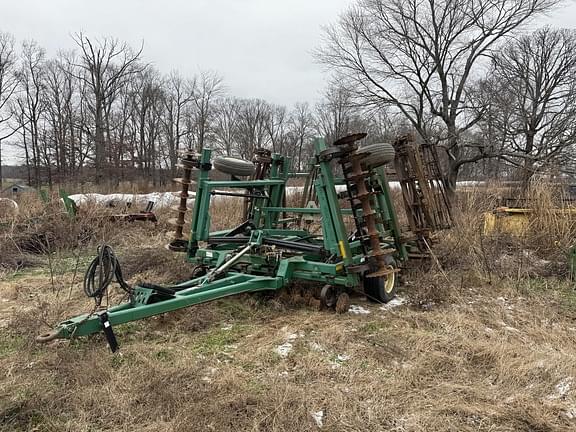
(262, 48)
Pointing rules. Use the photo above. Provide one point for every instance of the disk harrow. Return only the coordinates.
(359, 248)
(360, 194)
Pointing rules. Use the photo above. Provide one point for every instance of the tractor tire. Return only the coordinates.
(234, 166)
(381, 289)
(377, 154)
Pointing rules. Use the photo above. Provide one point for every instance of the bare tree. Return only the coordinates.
(147, 104)
(252, 133)
(178, 97)
(277, 127)
(32, 104)
(106, 65)
(59, 96)
(226, 124)
(208, 87)
(536, 101)
(333, 114)
(301, 127)
(419, 56)
(8, 84)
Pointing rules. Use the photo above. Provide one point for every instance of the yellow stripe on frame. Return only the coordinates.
(342, 250)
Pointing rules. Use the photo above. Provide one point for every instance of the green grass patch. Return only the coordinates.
(43, 270)
(218, 340)
(164, 356)
(128, 329)
(371, 327)
(56, 265)
(235, 308)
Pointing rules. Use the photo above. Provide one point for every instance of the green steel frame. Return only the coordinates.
(268, 254)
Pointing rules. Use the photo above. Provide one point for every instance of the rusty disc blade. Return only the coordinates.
(179, 209)
(183, 181)
(176, 222)
(188, 164)
(188, 152)
(183, 195)
(383, 252)
(178, 245)
(350, 139)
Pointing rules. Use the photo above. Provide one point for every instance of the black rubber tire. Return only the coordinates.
(234, 166)
(198, 270)
(328, 297)
(382, 289)
(377, 154)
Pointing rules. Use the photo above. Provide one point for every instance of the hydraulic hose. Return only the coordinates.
(102, 271)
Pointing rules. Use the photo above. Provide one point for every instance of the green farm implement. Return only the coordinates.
(360, 246)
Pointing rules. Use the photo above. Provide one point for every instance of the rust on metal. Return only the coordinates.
(360, 198)
(262, 160)
(350, 139)
(188, 162)
(423, 187)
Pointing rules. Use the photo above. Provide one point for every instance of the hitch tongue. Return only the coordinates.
(49, 336)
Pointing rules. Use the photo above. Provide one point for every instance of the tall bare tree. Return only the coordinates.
(334, 113)
(8, 84)
(208, 87)
(59, 96)
(226, 124)
(32, 104)
(536, 101)
(419, 57)
(253, 115)
(178, 98)
(301, 129)
(277, 127)
(105, 67)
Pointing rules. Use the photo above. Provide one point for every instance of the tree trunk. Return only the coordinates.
(99, 141)
(527, 170)
(1, 165)
(454, 164)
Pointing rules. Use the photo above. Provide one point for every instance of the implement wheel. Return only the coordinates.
(234, 166)
(328, 297)
(382, 289)
(377, 154)
(198, 270)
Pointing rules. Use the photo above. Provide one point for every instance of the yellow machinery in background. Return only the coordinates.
(507, 220)
(516, 221)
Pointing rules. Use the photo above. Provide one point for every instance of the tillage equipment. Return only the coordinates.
(344, 236)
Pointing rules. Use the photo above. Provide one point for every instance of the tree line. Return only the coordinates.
(495, 99)
(100, 112)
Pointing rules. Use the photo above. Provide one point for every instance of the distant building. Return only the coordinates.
(17, 189)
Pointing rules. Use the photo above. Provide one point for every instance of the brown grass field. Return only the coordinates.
(484, 341)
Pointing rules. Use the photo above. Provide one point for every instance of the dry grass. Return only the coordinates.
(477, 347)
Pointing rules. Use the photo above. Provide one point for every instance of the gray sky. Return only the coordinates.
(262, 48)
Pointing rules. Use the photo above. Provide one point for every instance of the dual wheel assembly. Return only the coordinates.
(335, 298)
(377, 289)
